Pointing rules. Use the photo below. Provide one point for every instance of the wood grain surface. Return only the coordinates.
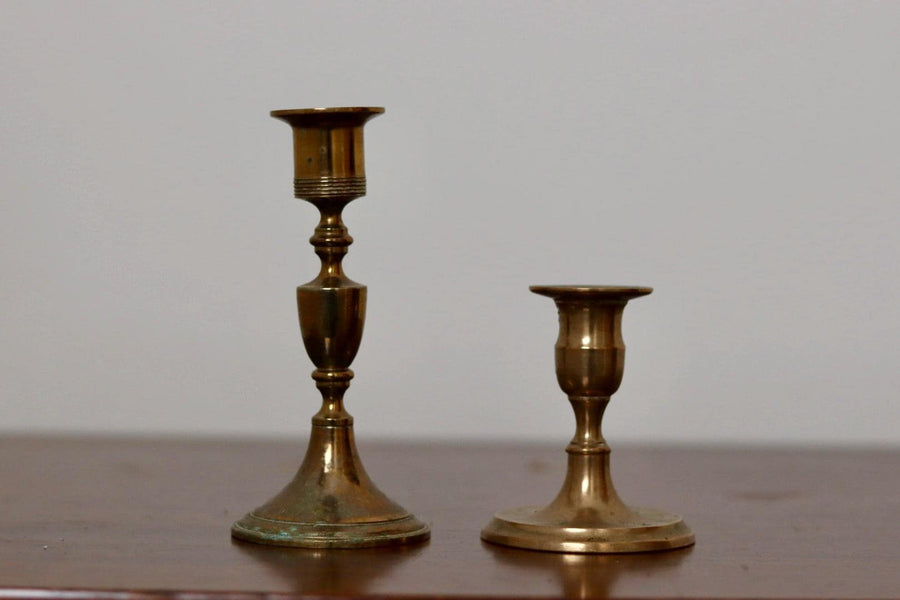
(139, 518)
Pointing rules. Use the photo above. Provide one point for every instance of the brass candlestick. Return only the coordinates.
(331, 502)
(587, 514)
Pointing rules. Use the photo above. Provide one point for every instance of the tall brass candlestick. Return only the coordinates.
(587, 514)
(331, 502)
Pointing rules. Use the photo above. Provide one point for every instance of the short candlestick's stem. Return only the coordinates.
(588, 420)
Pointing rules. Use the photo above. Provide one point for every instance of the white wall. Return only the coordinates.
(740, 157)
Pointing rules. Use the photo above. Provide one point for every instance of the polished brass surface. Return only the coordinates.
(587, 515)
(331, 502)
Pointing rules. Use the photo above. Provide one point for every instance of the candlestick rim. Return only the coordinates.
(327, 109)
(327, 118)
(607, 292)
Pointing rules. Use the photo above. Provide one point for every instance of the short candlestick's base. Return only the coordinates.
(534, 528)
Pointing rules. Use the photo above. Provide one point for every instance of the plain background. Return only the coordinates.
(741, 157)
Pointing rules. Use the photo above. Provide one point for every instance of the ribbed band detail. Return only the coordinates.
(330, 187)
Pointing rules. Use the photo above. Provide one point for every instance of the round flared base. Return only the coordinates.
(253, 528)
(648, 531)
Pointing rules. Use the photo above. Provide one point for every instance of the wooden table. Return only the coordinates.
(143, 519)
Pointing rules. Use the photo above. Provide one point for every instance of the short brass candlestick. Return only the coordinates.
(587, 514)
(331, 502)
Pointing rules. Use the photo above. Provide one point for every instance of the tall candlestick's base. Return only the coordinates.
(639, 530)
(330, 503)
(276, 532)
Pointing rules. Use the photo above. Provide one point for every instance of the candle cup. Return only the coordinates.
(331, 502)
(587, 515)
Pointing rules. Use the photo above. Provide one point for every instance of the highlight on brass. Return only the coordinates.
(587, 515)
(331, 502)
